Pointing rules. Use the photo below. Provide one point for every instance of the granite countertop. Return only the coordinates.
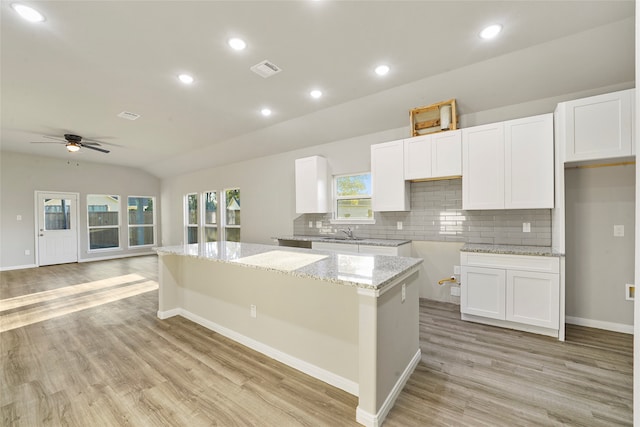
(357, 241)
(510, 249)
(359, 270)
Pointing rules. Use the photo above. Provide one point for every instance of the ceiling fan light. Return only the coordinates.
(72, 148)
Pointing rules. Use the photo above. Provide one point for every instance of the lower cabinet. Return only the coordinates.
(401, 250)
(515, 291)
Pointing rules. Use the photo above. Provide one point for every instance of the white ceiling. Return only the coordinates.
(91, 60)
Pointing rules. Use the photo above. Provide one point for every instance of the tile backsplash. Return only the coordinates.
(436, 215)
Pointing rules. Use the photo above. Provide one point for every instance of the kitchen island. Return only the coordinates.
(350, 320)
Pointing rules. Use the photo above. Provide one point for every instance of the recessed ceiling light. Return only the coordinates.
(28, 13)
(265, 112)
(237, 44)
(315, 93)
(381, 70)
(491, 31)
(186, 79)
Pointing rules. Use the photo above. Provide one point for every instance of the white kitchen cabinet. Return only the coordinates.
(400, 250)
(513, 291)
(312, 185)
(390, 190)
(508, 165)
(529, 163)
(598, 127)
(335, 247)
(433, 156)
(483, 167)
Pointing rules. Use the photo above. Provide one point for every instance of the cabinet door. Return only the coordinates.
(334, 247)
(312, 185)
(483, 167)
(390, 191)
(599, 127)
(533, 298)
(378, 250)
(417, 157)
(529, 162)
(446, 154)
(483, 292)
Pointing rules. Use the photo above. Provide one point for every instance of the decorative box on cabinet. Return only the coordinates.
(312, 185)
(434, 156)
(390, 190)
(598, 127)
(508, 165)
(513, 291)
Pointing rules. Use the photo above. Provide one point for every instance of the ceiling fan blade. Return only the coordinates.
(91, 143)
(57, 138)
(95, 148)
(48, 142)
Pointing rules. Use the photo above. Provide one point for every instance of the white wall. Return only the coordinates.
(21, 175)
(598, 265)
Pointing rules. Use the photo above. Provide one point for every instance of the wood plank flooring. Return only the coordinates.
(81, 348)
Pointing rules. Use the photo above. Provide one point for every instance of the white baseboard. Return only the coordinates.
(322, 374)
(599, 324)
(17, 267)
(106, 258)
(375, 420)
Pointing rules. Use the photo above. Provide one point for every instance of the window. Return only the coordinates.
(104, 221)
(352, 198)
(141, 221)
(232, 214)
(57, 214)
(210, 216)
(191, 216)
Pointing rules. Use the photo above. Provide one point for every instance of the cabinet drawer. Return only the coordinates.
(545, 264)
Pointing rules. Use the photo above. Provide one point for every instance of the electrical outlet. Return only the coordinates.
(27, 252)
(455, 291)
(253, 311)
(18, 217)
(618, 231)
(526, 227)
(456, 269)
(318, 224)
(399, 224)
(310, 224)
(404, 292)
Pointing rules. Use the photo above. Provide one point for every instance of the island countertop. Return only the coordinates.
(359, 270)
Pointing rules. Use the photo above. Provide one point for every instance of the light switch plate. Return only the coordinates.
(399, 224)
(526, 227)
(618, 231)
(310, 224)
(318, 224)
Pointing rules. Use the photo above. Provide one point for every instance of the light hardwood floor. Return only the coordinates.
(82, 347)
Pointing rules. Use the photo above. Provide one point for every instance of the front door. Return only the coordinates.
(57, 228)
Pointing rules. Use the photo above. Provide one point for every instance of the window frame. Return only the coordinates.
(96, 227)
(187, 224)
(217, 224)
(224, 218)
(335, 198)
(152, 225)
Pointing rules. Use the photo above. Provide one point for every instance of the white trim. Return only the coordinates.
(18, 267)
(371, 420)
(105, 258)
(599, 324)
(322, 374)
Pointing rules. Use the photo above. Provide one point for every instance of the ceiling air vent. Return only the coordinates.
(129, 116)
(266, 69)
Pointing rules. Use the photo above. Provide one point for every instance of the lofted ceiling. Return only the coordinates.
(90, 60)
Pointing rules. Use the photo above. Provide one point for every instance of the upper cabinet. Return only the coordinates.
(508, 165)
(390, 192)
(312, 185)
(433, 156)
(598, 127)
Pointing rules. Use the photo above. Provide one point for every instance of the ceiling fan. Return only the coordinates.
(74, 143)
